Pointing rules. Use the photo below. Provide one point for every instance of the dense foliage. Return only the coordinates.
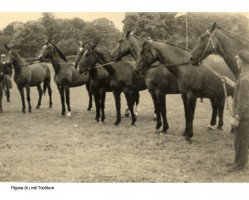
(165, 27)
(66, 33)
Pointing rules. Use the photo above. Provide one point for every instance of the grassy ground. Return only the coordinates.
(44, 147)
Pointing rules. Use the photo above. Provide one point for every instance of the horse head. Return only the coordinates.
(12, 53)
(88, 58)
(47, 52)
(148, 56)
(123, 47)
(207, 44)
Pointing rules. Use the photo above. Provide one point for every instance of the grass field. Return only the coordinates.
(42, 146)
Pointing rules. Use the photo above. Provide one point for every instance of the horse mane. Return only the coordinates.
(60, 53)
(241, 39)
(105, 55)
(180, 47)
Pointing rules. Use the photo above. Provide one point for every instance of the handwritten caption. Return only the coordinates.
(20, 188)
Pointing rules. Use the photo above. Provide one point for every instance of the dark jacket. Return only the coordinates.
(241, 97)
(6, 68)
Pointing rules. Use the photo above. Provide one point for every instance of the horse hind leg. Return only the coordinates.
(61, 90)
(50, 95)
(40, 96)
(212, 124)
(1, 97)
(137, 98)
(131, 101)
(28, 97)
(97, 105)
(102, 106)
(20, 88)
(221, 114)
(67, 90)
(90, 95)
(117, 94)
(162, 98)
(157, 112)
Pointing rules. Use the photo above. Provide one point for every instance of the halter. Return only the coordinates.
(210, 40)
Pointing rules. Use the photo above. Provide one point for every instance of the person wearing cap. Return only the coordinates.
(240, 122)
(6, 70)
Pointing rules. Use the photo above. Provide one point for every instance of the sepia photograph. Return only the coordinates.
(123, 97)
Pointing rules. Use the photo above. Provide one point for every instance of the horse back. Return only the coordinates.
(39, 72)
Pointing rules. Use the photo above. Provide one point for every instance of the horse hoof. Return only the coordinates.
(154, 117)
(101, 122)
(133, 124)
(23, 111)
(69, 114)
(188, 139)
(37, 107)
(157, 130)
(116, 124)
(211, 127)
(220, 128)
(50, 106)
(89, 109)
(127, 114)
(97, 120)
(164, 131)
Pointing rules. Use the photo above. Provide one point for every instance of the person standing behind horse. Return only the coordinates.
(6, 69)
(240, 122)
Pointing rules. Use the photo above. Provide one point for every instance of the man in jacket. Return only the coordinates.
(6, 70)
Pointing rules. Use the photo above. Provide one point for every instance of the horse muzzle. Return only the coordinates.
(194, 61)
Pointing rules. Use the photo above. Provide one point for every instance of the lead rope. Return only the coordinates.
(223, 83)
(100, 65)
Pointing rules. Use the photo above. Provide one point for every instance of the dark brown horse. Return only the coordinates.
(99, 81)
(29, 75)
(158, 79)
(193, 81)
(219, 41)
(66, 75)
(122, 78)
(88, 87)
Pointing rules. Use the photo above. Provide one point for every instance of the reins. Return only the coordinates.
(109, 63)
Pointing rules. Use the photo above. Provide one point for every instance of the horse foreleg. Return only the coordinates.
(214, 113)
(97, 104)
(40, 96)
(220, 113)
(117, 94)
(89, 90)
(28, 96)
(20, 88)
(130, 100)
(67, 90)
(157, 110)
(102, 105)
(191, 106)
(50, 95)
(161, 98)
(186, 112)
(137, 98)
(61, 90)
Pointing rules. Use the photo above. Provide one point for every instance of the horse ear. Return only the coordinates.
(6, 47)
(213, 27)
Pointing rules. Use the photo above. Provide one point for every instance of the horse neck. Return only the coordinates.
(105, 57)
(228, 48)
(19, 63)
(58, 63)
(172, 57)
(135, 47)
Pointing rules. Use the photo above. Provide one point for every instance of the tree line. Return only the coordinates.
(66, 33)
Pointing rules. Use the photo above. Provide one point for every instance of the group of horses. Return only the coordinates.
(162, 68)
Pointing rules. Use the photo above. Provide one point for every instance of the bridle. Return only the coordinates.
(210, 40)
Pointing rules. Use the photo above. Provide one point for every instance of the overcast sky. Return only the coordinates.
(116, 17)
